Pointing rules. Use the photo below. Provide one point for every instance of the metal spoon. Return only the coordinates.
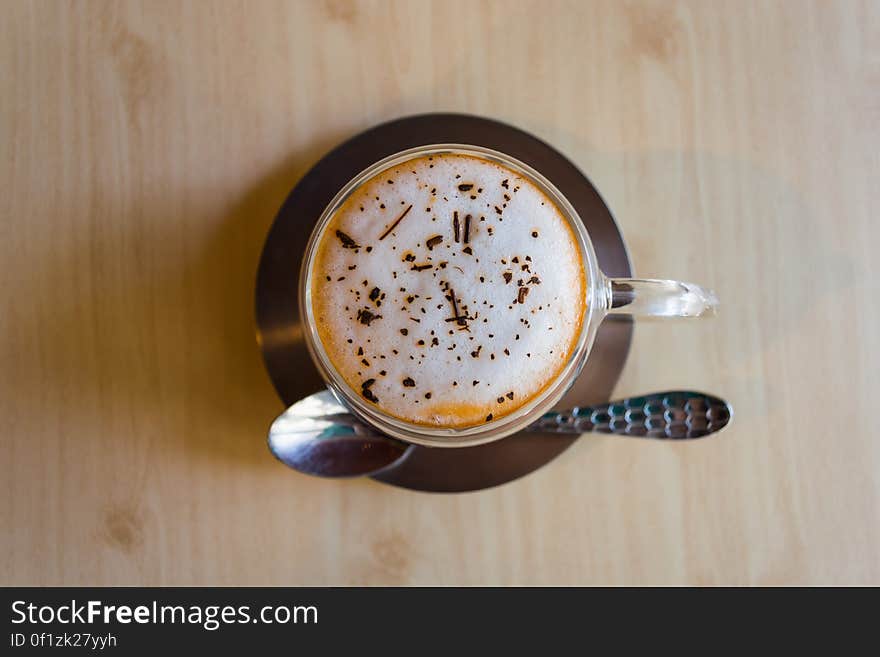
(319, 436)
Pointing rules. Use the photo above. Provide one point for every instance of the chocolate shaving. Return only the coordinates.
(465, 187)
(369, 396)
(455, 225)
(365, 317)
(374, 293)
(396, 221)
(508, 276)
(510, 395)
(431, 242)
(489, 418)
(467, 250)
(459, 319)
(421, 267)
(467, 228)
(521, 295)
(409, 383)
(347, 242)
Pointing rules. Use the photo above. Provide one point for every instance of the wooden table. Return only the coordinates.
(147, 146)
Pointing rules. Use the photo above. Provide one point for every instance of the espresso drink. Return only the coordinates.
(448, 290)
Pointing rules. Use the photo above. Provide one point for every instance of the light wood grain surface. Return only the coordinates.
(145, 147)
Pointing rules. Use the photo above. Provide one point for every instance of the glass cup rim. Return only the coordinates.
(496, 428)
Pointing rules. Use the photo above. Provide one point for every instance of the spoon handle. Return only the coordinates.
(676, 415)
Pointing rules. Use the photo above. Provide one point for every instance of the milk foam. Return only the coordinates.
(448, 290)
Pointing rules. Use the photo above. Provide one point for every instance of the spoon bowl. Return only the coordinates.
(318, 436)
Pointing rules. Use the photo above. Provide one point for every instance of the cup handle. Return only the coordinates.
(646, 297)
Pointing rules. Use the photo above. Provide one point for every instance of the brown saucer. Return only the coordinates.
(278, 324)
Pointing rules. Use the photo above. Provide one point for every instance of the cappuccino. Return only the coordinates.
(448, 290)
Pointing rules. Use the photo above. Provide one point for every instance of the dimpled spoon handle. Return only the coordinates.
(675, 415)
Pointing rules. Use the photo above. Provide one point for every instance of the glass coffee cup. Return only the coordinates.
(604, 296)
